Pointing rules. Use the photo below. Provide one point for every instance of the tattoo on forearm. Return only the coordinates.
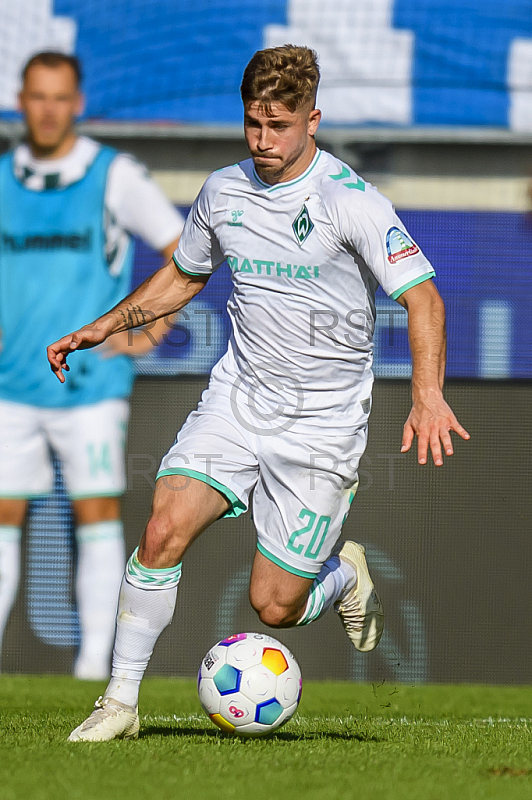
(133, 316)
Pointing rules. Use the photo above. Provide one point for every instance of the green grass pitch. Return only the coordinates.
(375, 742)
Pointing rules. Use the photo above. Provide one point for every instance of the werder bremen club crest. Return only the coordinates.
(302, 225)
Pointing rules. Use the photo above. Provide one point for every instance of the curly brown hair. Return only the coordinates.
(287, 75)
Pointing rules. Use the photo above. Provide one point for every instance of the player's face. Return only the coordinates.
(50, 101)
(281, 143)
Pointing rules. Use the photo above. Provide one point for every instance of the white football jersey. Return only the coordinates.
(306, 258)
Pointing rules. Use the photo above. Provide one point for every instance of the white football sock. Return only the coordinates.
(145, 608)
(101, 558)
(334, 578)
(10, 536)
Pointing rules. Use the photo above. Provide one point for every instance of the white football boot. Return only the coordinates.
(360, 609)
(109, 720)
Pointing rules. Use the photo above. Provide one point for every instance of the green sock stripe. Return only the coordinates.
(10, 533)
(138, 573)
(315, 603)
(99, 531)
(318, 598)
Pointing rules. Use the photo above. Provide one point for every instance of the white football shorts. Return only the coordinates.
(302, 483)
(88, 440)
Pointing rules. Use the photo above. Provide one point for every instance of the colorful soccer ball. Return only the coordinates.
(249, 684)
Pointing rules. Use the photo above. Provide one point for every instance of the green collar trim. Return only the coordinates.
(289, 183)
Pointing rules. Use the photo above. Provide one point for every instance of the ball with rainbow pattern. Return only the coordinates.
(249, 684)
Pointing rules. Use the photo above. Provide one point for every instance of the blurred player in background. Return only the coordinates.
(287, 407)
(68, 209)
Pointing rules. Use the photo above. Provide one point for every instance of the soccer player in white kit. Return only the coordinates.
(287, 406)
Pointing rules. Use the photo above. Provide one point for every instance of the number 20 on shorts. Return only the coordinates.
(317, 527)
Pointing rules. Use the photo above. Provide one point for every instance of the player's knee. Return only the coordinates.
(276, 616)
(162, 535)
(159, 528)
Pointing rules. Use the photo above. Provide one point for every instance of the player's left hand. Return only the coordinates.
(86, 337)
(431, 420)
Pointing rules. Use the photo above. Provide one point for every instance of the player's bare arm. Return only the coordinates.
(431, 419)
(163, 293)
(147, 337)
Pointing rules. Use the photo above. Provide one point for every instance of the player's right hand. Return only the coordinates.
(86, 337)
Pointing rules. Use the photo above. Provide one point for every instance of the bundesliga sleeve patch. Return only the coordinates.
(399, 245)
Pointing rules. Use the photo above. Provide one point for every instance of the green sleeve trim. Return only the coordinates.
(403, 289)
(188, 272)
(284, 566)
(237, 506)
